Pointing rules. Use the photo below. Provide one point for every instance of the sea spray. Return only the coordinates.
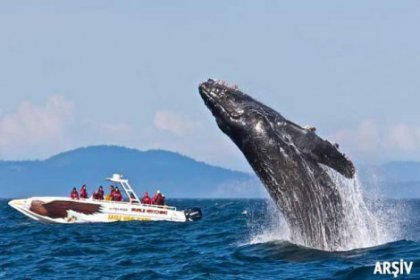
(361, 228)
(366, 222)
(392, 215)
(271, 226)
(371, 220)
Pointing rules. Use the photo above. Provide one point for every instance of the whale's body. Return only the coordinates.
(292, 162)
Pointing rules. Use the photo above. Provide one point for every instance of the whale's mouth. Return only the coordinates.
(210, 96)
(215, 93)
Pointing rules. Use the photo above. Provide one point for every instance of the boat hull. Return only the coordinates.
(66, 210)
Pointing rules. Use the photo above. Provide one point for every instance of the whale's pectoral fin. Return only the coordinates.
(328, 154)
(320, 150)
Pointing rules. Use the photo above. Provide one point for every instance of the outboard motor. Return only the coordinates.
(193, 214)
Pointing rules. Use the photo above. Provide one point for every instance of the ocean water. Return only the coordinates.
(236, 239)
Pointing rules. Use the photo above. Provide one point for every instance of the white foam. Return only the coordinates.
(276, 229)
(363, 226)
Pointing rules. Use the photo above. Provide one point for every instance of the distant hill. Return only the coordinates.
(174, 174)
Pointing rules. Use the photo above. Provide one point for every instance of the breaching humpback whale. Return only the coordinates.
(292, 162)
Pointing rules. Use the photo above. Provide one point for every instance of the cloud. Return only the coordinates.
(174, 123)
(37, 131)
(34, 129)
(404, 137)
(369, 140)
(364, 137)
(198, 138)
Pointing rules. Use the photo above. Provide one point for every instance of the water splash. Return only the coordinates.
(392, 215)
(272, 228)
(366, 222)
(361, 227)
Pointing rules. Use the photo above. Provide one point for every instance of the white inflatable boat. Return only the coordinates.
(67, 210)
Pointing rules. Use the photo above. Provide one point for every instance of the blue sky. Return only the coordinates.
(78, 73)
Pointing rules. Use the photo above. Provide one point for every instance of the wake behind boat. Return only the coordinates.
(67, 210)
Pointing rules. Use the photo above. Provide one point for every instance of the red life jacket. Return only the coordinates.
(83, 193)
(158, 199)
(117, 196)
(146, 200)
(74, 195)
(155, 198)
(100, 194)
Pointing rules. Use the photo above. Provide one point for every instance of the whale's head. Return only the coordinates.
(232, 109)
(256, 128)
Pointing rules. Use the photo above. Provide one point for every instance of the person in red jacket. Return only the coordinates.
(83, 192)
(156, 197)
(74, 194)
(159, 200)
(100, 193)
(117, 195)
(146, 199)
(112, 190)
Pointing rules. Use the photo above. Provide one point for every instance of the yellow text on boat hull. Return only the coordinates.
(114, 217)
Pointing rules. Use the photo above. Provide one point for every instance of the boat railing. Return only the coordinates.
(166, 207)
(163, 207)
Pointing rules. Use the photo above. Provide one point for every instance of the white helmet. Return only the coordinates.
(158, 191)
